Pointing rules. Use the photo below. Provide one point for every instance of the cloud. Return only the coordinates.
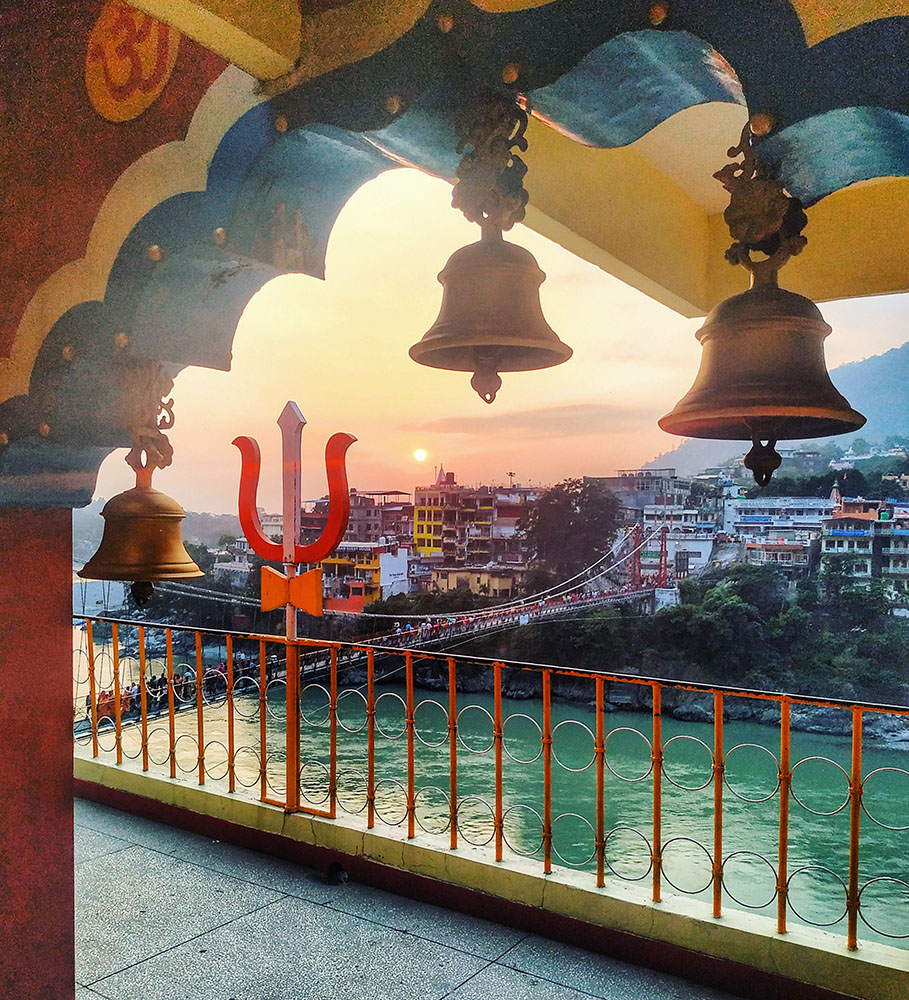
(575, 419)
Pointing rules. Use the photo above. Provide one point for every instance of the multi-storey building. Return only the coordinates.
(463, 528)
(467, 525)
(493, 582)
(765, 516)
(794, 559)
(870, 545)
(636, 489)
(358, 573)
(233, 563)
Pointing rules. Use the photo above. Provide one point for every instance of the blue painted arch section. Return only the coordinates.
(188, 312)
(632, 83)
(424, 135)
(820, 155)
(288, 203)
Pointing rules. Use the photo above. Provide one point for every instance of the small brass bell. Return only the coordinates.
(762, 377)
(491, 320)
(141, 542)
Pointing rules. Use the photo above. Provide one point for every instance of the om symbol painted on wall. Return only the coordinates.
(129, 59)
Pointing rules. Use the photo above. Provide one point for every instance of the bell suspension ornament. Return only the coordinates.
(491, 320)
(763, 376)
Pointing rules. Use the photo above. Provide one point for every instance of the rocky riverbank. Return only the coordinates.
(526, 684)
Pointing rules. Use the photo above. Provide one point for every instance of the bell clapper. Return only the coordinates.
(486, 382)
(763, 460)
(142, 592)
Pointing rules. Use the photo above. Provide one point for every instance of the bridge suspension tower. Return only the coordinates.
(636, 557)
(662, 579)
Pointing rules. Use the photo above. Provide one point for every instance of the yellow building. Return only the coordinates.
(364, 570)
(468, 525)
(491, 582)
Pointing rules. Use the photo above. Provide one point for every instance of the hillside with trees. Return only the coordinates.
(738, 627)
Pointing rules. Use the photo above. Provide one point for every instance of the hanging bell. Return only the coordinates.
(762, 377)
(491, 320)
(141, 542)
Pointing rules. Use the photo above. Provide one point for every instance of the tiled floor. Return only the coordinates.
(166, 915)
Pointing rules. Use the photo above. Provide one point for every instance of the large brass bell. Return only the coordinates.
(491, 320)
(141, 542)
(762, 377)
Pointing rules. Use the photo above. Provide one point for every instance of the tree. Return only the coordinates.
(537, 580)
(572, 525)
(201, 556)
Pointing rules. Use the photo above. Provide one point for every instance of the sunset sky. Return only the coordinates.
(339, 349)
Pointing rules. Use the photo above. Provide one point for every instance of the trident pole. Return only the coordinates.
(291, 423)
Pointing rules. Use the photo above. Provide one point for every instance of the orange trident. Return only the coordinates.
(303, 592)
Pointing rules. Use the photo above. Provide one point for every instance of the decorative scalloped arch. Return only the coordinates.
(171, 169)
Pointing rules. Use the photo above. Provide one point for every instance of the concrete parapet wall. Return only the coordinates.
(740, 952)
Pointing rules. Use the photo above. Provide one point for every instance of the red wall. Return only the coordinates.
(36, 755)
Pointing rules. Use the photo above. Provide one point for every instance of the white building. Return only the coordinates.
(233, 564)
(775, 516)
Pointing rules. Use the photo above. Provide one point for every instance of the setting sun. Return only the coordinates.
(420, 454)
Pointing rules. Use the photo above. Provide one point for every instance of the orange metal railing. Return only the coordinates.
(221, 707)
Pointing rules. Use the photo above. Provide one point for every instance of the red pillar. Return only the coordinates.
(36, 755)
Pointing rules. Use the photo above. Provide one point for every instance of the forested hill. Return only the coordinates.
(877, 387)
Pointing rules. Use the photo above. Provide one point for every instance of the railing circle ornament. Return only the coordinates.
(759, 857)
(728, 783)
(215, 767)
(617, 831)
(246, 689)
(819, 812)
(394, 697)
(239, 754)
(351, 693)
(156, 737)
(279, 713)
(276, 771)
(679, 784)
(539, 736)
(214, 688)
(562, 764)
(877, 881)
(425, 791)
(464, 829)
(867, 811)
(379, 804)
(611, 769)
(462, 742)
(416, 727)
(517, 808)
(128, 732)
(303, 783)
(586, 822)
(707, 855)
(178, 755)
(314, 722)
(341, 791)
(801, 916)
